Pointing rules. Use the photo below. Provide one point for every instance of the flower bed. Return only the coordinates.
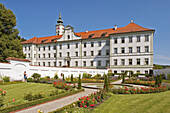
(35, 102)
(91, 80)
(139, 82)
(142, 90)
(14, 82)
(62, 85)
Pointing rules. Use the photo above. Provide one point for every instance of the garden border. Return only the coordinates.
(36, 102)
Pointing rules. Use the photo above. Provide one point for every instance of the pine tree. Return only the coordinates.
(157, 80)
(106, 87)
(10, 42)
(123, 78)
(79, 82)
(71, 78)
(160, 79)
(63, 78)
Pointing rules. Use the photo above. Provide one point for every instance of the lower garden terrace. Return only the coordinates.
(86, 94)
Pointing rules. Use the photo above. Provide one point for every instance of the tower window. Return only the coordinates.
(68, 36)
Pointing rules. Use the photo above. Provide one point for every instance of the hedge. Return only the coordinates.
(35, 102)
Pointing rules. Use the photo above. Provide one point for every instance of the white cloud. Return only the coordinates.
(162, 57)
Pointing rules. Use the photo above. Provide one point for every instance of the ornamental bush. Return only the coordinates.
(106, 82)
(36, 77)
(71, 78)
(62, 85)
(156, 80)
(79, 82)
(63, 77)
(123, 78)
(29, 96)
(56, 76)
(6, 79)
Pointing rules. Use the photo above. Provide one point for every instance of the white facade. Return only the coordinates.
(118, 51)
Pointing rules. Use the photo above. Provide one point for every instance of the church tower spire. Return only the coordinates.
(59, 26)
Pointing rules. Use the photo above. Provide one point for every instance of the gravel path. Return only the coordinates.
(56, 104)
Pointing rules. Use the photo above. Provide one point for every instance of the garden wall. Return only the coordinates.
(16, 67)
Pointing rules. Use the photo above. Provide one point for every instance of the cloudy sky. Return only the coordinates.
(38, 18)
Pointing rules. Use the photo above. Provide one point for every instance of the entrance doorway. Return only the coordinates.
(68, 63)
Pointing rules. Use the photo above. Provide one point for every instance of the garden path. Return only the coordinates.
(56, 104)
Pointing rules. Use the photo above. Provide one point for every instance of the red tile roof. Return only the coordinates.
(17, 59)
(132, 27)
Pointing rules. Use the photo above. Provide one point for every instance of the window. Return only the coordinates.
(146, 38)
(25, 48)
(84, 53)
(138, 61)
(146, 72)
(100, 43)
(68, 36)
(115, 71)
(48, 63)
(60, 63)
(60, 54)
(84, 63)
(55, 64)
(49, 47)
(38, 55)
(43, 55)
(39, 63)
(123, 39)
(34, 55)
(68, 54)
(60, 46)
(55, 55)
(130, 61)
(43, 63)
(138, 38)
(122, 71)
(49, 55)
(34, 48)
(146, 48)
(29, 48)
(138, 49)
(138, 71)
(115, 50)
(76, 53)
(107, 63)
(130, 39)
(84, 44)
(99, 52)
(54, 47)
(92, 44)
(28, 55)
(76, 45)
(122, 61)
(115, 61)
(107, 52)
(44, 48)
(92, 54)
(107, 43)
(91, 63)
(39, 48)
(68, 46)
(115, 40)
(146, 61)
(123, 50)
(76, 63)
(130, 49)
(99, 63)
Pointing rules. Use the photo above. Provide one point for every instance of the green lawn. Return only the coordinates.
(138, 103)
(17, 91)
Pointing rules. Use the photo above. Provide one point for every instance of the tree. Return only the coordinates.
(123, 78)
(156, 80)
(160, 79)
(36, 77)
(71, 78)
(79, 82)
(10, 42)
(63, 78)
(56, 76)
(106, 87)
(157, 66)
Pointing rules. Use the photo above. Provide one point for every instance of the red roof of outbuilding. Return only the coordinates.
(17, 59)
(132, 27)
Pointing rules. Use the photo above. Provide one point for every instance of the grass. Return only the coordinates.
(17, 91)
(138, 103)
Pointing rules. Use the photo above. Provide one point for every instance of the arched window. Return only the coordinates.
(68, 36)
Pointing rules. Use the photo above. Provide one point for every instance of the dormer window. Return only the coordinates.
(68, 36)
(90, 36)
(103, 35)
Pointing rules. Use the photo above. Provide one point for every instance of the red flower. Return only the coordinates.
(69, 83)
(94, 93)
(104, 86)
(13, 100)
(79, 98)
(134, 89)
(0, 89)
(98, 97)
(126, 89)
(81, 106)
(85, 106)
(87, 98)
(82, 101)
(93, 100)
(141, 87)
(4, 91)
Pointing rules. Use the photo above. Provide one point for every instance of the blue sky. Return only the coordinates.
(38, 18)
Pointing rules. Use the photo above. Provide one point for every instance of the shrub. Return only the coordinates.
(123, 78)
(56, 76)
(71, 78)
(106, 82)
(30, 80)
(98, 76)
(85, 75)
(156, 80)
(62, 85)
(79, 82)
(47, 77)
(168, 76)
(36, 77)
(31, 96)
(160, 79)
(6, 79)
(63, 78)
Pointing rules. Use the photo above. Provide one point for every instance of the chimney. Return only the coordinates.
(131, 21)
(115, 27)
(86, 31)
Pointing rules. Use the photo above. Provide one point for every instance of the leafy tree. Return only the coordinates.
(157, 66)
(10, 42)
(79, 82)
(160, 79)
(36, 77)
(56, 76)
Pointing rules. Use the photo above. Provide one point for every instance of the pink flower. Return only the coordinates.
(13, 100)
(87, 98)
(4, 91)
(81, 106)
(98, 97)
(0, 89)
(82, 101)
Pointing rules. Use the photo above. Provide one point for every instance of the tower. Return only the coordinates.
(59, 26)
